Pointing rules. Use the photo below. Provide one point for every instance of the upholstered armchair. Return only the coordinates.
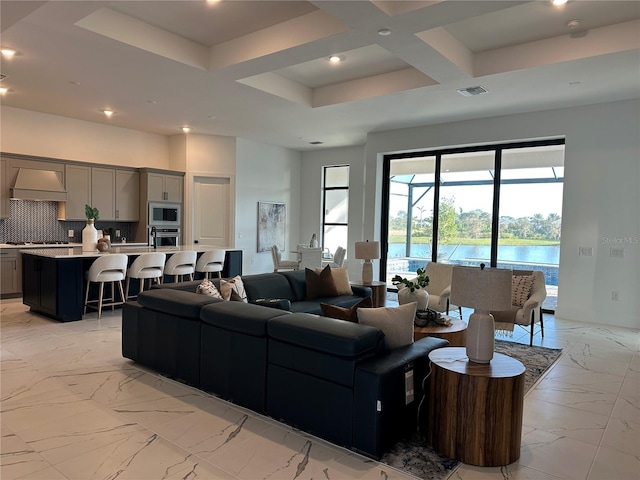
(338, 257)
(279, 264)
(439, 288)
(527, 299)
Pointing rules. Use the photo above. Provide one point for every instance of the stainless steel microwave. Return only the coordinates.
(164, 214)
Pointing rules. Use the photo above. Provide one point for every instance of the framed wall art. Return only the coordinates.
(272, 222)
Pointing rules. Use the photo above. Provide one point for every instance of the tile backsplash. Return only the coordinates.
(38, 221)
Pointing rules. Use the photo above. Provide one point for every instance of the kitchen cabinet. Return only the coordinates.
(9, 272)
(53, 287)
(5, 210)
(115, 193)
(163, 187)
(127, 195)
(103, 192)
(78, 186)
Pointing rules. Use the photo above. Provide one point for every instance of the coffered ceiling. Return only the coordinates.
(260, 69)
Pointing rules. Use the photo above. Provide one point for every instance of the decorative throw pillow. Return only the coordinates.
(396, 323)
(208, 288)
(521, 286)
(342, 313)
(233, 286)
(320, 285)
(341, 279)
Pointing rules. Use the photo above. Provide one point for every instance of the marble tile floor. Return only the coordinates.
(73, 408)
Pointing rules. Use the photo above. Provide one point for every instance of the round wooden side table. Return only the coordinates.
(475, 409)
(456, 333)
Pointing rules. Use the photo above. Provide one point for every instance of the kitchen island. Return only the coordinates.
(53, 282)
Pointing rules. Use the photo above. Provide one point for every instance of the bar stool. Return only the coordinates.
(147, 266)
(181, 263)
(211, 261)
(109, 268)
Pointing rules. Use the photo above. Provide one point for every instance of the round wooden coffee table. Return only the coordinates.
(475, 409)
(456, 333)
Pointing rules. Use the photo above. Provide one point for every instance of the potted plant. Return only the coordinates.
(89, 233)
(413, 290)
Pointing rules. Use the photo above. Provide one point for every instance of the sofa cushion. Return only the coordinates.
(297, 282)
(395, 322)
(343, 313)
(176, 302)
(245, 318)
(327, 335)
(268, 285)
(320, 284)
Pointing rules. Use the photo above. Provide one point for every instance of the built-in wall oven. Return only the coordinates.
(164, 214)
(164, 236)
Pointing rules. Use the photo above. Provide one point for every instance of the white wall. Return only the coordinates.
(601, 195)
(39, 134)
(311, 202)
(265, 173)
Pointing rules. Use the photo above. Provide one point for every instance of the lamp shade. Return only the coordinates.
(488, 289)
(367, 250)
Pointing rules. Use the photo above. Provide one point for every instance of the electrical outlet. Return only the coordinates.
(617, 252)
(70, 233)
(585, 251)
(117, 233)
(614, 296)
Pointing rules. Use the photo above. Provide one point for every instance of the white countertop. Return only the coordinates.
(59, 245)
(129, 249)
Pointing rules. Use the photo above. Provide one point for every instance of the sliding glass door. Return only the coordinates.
(500, 205)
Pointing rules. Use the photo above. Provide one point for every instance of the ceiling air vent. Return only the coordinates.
(316, 143)
(472, 91)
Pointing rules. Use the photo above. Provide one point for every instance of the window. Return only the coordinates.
(335, 209)
(499, 204)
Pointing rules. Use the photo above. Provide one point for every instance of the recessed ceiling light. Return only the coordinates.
(558, 3)
(573, 24)
(3, 90)
(8, 52)
(186, 129)
(73, 82)
(107, 112)
(384, 32)
(211, 117)
(153, 102)
(336, 58)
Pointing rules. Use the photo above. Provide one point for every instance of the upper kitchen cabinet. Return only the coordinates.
(115, 193)
(78, 184)
(162, 186)
(5, 210)
(127, 195)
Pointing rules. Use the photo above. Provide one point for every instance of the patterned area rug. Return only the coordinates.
(416, 457)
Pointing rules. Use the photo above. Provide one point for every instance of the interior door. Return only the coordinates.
(212, 207)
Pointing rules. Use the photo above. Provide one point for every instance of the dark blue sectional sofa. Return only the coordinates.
(335, 379)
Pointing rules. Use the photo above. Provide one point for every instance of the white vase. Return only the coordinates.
(89, 237)
(419, 295)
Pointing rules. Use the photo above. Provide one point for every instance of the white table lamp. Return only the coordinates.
(367, 251)
(483, 290)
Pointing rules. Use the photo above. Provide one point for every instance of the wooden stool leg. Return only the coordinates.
(100, 300)
(122, 298)
(86, 297)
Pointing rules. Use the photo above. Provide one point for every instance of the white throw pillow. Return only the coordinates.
(208, 288)
(395, 322)
(233, 285)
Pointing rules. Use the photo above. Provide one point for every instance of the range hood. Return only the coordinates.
(35, 184)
